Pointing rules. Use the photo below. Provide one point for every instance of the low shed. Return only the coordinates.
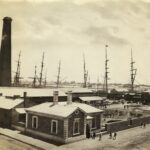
(6, 108)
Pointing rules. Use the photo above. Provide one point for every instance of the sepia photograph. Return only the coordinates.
(74, 74)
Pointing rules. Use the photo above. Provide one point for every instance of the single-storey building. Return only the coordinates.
(6, 110)
(62, 121)
(80, 92)
(34, 96)
(93, 100)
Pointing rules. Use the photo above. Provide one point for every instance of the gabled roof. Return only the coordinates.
(63, 109)
(54, 110)
(92, 98)
(9, 103)
(87, 108)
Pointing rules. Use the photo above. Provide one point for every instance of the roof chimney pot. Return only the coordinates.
(55, 97)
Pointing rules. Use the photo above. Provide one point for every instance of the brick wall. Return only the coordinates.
(122, 125)
(44, 125)
(81, 115)
(5, 118)
(15, 116)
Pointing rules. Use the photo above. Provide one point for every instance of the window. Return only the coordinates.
(54, 126)
(76, 126)
(94, 123)
(34, 122)
(77, 112)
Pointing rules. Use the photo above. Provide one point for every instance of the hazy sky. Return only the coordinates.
(65, 29)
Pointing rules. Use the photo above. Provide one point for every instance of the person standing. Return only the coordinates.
(100, 136)
(94, 135)
(110, 135)
(115, 135)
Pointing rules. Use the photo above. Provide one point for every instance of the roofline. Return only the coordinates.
(50, 115)
(61, 117)
(43, 114)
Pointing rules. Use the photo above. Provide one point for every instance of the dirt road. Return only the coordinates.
(11, 144)
(132, 139)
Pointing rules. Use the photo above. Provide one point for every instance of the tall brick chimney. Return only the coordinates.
(5, 53)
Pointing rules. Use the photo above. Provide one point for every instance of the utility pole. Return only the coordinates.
(58, 75)
(17, 73)
(106, 70)
(41, 73)
(34, 78)
(85, 72)
(133, 72)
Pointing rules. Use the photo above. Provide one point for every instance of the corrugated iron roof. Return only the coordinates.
(92, 98)
(20, 110)
(31, 92)
(9, 103)
(63, 109)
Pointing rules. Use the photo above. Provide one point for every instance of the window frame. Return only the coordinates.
(76, 120)
(36, 118)
(56, 121)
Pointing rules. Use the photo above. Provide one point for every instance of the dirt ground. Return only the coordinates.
(11, 144)
(133, 139)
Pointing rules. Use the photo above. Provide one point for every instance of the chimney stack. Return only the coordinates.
(55, 97)
(69, 98)
(5, 53)
(26, 100)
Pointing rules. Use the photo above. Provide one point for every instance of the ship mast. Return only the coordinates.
(133, 72)
(34, 78)
(58, 75)
(45, 81)
(106, 70)
(85, 73)
(97, 84)
(17, 73)
(41, 73)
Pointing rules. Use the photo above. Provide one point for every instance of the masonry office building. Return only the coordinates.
(62, 121)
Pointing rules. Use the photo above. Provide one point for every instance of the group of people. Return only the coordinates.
(113, 135)
(93, 135)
